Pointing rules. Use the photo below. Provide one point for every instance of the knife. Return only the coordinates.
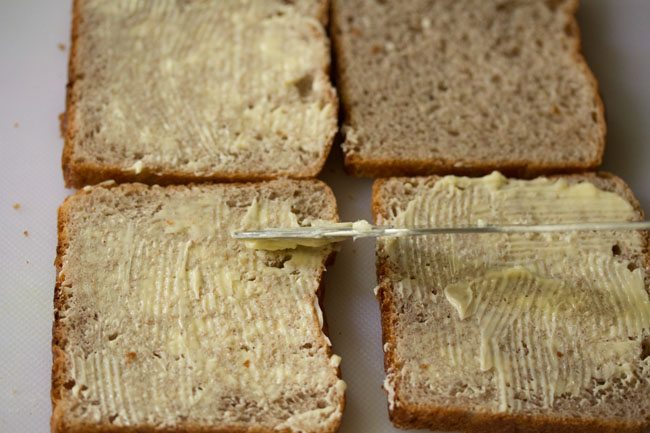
(341, 231)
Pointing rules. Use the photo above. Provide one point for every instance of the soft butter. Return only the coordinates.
(183, 308)
(541, 314)
(359, 226)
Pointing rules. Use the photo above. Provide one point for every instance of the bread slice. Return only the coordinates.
(518, 332)
(165, 323)
(183, 91)
(465, 87)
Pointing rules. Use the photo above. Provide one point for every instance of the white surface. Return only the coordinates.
(616, 38)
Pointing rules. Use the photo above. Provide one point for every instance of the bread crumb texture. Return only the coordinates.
(450, 86)
(200, 89)
(163, 320)
(535, 323)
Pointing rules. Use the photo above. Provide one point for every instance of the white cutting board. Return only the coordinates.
(616, 38)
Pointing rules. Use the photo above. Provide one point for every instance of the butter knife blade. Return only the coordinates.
(340, 233)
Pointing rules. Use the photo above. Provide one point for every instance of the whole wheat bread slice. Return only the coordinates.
(590, 373)
(465, 87)
(182, 91)
(163, 322)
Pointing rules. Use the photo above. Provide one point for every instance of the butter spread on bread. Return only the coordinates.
(162, 319)
(548, 324)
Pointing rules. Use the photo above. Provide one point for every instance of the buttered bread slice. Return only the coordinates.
(514, 332)
(165, 323)
(171, 91)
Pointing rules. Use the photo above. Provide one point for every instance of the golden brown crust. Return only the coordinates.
(60, 376)
(448, 418)
(453, 419)
(571, 10)
(323, 12)
(79, 174)
(378, 167)
(69, 114)
(58, 335)
(187, 428)
(357, 166)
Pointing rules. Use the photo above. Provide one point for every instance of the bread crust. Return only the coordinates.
(79, 174)
(69, 127)
(380, 167)
(323, 12)
(449, 418)
(60, 365)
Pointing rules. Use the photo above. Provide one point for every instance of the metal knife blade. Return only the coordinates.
(342, 231)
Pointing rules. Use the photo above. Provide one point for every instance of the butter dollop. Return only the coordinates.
(359, 226)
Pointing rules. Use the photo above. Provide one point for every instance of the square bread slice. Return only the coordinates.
(465, 87)
(165, 323)
(514, 332)
(177, 91)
